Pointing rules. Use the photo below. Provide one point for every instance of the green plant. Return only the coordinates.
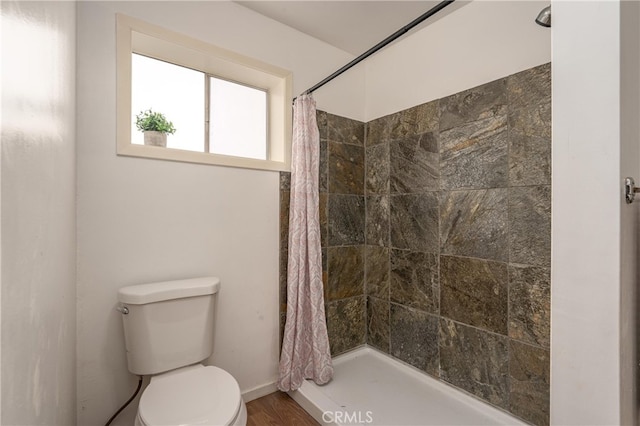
(154, 121)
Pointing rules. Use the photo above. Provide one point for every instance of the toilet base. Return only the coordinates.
(240, 420)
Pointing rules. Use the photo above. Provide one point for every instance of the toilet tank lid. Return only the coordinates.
(168, 290)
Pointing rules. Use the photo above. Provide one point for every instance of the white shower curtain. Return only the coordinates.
(305, 347)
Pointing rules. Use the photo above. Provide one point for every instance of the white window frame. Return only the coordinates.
(135, 36)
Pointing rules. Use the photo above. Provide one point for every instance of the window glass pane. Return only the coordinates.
(175, 91)
(237, 120)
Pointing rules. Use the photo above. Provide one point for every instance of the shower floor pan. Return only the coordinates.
(370, 388)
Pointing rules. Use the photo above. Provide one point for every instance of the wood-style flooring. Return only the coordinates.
(277, 409)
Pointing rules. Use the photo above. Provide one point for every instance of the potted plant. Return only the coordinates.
(155, 127)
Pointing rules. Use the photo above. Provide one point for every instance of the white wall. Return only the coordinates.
(595, 145)
(38, 213)
(146, 220)
(478, 43)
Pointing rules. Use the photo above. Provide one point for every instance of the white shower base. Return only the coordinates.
(371, 388)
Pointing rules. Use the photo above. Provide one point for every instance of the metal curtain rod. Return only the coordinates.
(437, 8)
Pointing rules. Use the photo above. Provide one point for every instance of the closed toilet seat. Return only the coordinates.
(194, 395)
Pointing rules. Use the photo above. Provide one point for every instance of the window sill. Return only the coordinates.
(171, 154)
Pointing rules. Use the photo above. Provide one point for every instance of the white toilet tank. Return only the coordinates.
(169, 324)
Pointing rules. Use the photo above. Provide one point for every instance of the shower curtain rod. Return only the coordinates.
(437, 8)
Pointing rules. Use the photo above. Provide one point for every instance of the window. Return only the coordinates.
(237, 119)
(227, 109)
(175, 91)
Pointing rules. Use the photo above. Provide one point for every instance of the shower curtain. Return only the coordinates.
(305, 347)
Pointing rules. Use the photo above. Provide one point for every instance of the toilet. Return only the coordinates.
(168, 330)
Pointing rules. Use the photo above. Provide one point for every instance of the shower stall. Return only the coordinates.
(436, 236)
(437, 225)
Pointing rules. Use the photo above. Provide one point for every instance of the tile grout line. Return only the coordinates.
(366, 251)
(508, 396)
(439, 254)
(388, 243)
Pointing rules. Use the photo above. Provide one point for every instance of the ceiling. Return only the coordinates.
(353, 26)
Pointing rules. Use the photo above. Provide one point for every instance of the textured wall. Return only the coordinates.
(456, 230)
(458, 239)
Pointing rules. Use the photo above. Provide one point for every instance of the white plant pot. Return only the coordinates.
(155, 138)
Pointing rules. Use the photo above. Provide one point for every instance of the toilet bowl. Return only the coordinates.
(194, 395)
(168, 330)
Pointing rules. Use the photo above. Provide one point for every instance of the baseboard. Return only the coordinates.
(259, 391)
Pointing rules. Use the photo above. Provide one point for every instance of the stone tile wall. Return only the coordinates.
(436, 238)
(458, 232)
(342, 215)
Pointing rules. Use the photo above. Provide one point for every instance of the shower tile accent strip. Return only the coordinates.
(436, 238)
